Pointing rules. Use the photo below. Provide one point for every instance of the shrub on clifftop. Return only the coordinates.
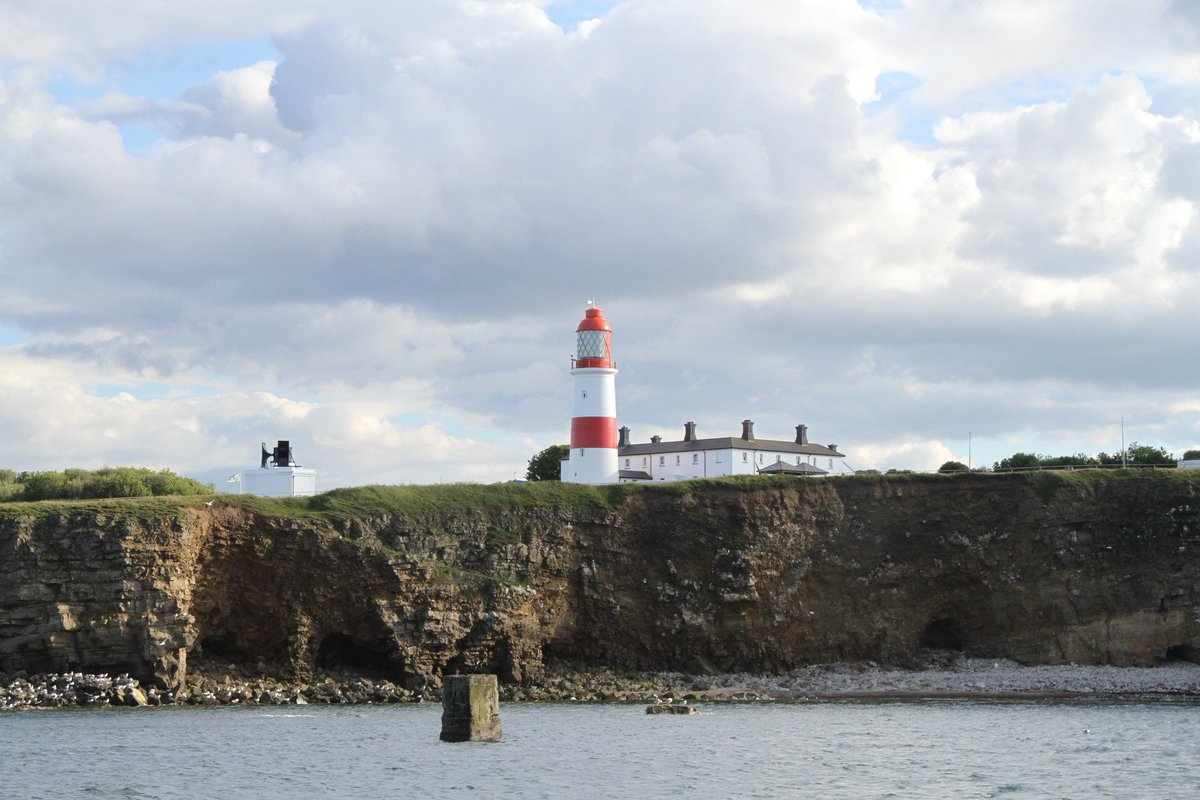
(545, 466)
(82, 484)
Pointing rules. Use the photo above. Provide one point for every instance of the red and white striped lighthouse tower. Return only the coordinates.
(594, 404)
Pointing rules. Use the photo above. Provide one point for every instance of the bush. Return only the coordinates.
(1019, 461)
(82, 484)
(953, 466)
(546, 465)
(1135, 455)
(1141, 455)
(44, 486)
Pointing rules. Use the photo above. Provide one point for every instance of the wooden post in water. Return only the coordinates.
(470, 708)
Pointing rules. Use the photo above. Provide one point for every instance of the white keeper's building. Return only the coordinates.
(693, 457)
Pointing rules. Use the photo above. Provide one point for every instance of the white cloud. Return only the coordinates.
(970, 52)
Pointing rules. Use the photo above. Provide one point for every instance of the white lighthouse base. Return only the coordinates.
(277, 482)
(595, 465)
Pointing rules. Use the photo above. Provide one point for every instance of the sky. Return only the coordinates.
(930, 230)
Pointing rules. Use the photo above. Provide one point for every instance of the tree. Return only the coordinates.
(44, 486)
(1136, 455)
(1019, 461)
(1139, 455)
(1191, 455)
(1077, 460)
(953, 466)
(1143, 454)
(545, 466)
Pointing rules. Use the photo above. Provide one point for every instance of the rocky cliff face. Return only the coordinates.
(758, 576)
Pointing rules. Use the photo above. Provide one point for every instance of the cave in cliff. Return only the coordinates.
(942, 634)
(1182, 652)
(341, 653)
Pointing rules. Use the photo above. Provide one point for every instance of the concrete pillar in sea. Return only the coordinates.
(470, 708)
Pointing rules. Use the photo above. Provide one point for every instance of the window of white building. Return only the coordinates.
(677, 461)
(743, 458)
(662, 461)
(627, 463)
(695, 458)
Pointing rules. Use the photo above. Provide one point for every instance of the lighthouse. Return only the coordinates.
(594, 404)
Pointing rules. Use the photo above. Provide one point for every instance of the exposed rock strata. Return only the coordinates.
(763, 577)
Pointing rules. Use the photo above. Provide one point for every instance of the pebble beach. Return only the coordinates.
(945, 676)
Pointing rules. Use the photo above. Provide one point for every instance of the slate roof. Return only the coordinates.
(635, 475)
(784, 468)
(727, 443)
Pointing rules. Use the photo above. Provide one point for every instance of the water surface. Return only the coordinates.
(887, 749)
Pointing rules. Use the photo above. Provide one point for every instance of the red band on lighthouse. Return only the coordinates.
(593, 432)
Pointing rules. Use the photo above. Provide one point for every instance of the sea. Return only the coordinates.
(828, 749)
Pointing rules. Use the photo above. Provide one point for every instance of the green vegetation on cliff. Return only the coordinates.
(546, 465)
(1136, 455)
(423, 500)
(84, 484)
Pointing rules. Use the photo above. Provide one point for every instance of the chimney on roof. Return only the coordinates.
(801, 434)
(748, 430)
(833, 447)
(624, 440)
(655, 439)
(689, 431)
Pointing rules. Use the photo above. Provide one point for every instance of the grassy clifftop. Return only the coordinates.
(415, 500)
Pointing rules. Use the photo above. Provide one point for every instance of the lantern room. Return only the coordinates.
(594, 341)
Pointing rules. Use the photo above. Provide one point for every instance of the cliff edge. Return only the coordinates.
(756, 575)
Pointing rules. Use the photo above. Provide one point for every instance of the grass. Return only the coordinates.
(467, 582)
(415, 501)
(160, 507)
(497, 539)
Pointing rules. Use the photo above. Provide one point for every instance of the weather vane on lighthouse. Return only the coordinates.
(593, 457)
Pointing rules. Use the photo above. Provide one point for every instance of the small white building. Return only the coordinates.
(1189, 463)
(278, 476)
(693, 457)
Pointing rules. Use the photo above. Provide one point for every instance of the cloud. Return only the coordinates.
(64, 415)
(977, 53)
(59, 35)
